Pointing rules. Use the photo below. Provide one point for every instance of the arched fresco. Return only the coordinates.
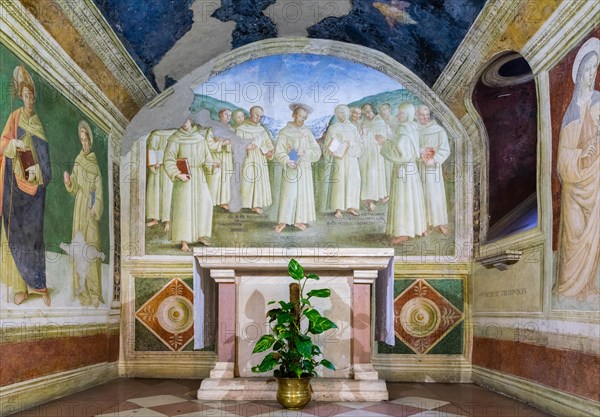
(300, 149)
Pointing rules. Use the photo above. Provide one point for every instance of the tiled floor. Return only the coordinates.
(161, 397)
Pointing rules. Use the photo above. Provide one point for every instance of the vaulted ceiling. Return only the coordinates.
(133, 49)
(168, 39)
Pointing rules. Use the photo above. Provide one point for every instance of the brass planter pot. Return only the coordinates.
(293, 393)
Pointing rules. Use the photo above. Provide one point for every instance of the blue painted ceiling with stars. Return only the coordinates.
(421, 34)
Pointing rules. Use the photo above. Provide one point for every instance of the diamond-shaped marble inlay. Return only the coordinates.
(423, 316)
(169, 314)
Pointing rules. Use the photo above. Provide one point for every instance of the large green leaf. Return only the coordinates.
(295, 270)
(268, 363)
(285, 334)
(264, 343)
(308, 365)
(321, 324)
(286, 306)
(327, 364)
(283, 318)
(304, 345)
(312, 314)
(296, 369)
(279, 329)
(293, 355)
(321, 293)
(273, 313)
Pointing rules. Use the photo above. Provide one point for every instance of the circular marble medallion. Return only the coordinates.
(175, 314)
(420, 317)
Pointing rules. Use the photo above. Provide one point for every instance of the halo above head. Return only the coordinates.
(22, 77)
(85, 125)
(591, 45)
(303, 106)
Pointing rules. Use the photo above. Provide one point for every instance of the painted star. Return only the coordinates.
(395, 13)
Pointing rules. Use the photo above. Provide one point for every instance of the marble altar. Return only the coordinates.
(247, 278)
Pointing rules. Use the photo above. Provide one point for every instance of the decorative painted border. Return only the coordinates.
(440, 338)
(93, 27)
(492, 22)
(139, 316)
(479, 153)
(571, 21)
(25, 36)
(15, 333)
(549, 399)
(165, 364)
(116, 227)
(430, 368)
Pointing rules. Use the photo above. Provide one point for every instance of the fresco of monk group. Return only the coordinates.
(353, 169)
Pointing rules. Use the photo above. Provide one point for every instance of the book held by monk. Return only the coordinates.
(338, 148)
(183, 166)
(293, 155)
(155, 157)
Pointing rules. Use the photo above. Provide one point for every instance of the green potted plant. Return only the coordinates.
(293, 351)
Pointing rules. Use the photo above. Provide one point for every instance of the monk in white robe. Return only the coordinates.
(345, 172)
(406, 209)
(385, 111)
(578, 168)
(434, 150)
(220, 182)
(356, 117)
(372, 165)
(256, 186)
(85, 183)
(192, 206)
(238, 116)
(297, 197)
(159, 186)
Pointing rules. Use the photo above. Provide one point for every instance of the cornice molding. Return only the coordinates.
(25, 36)
(93, 27)
(474, 50)
(571, 21)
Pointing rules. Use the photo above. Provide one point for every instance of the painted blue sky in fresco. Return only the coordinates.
(274, 82)
(421, 34)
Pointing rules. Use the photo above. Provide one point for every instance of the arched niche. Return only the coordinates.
(168, 110)
(505, 98)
